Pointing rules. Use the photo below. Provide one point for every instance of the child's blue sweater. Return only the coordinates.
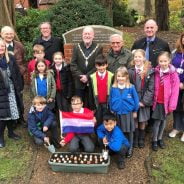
(125, 101)
(116, 138)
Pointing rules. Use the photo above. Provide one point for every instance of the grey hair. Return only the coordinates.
(88, 27)
(116, 35)
(45, 23)
(5, 28)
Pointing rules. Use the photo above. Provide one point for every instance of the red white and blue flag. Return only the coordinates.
(77, 122)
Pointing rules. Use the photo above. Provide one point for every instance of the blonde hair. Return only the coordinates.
(38, 49)
(6, 51)
(58, 53)
(39, 100)
(147, 64)
(164, 53)
(124, 72)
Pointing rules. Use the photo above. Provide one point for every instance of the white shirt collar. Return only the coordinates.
(58, 67)
(141, 68)
(121, 86)
(102, 75)
(7, 44)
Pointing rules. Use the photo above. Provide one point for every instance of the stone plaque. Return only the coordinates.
(102, 34)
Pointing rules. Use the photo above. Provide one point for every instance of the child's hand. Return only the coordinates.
(105, 141)
(50, 100)
(46, 139)
(62, 142)
(141, 104)
(134, 114)
(94, 120)
(45, 128)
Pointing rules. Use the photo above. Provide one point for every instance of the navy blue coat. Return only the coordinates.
(45, 118)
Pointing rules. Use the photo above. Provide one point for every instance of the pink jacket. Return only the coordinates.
(171, 88)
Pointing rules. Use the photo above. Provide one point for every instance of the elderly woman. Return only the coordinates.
(10, 88)
(17, 49)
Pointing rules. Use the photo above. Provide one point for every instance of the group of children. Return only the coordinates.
(124, 102)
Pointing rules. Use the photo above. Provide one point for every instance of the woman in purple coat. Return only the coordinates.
(178, 114)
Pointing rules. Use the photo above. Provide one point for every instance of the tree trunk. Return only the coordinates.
(148, 9)
(7, 13)
(162, 14)
(108, 5)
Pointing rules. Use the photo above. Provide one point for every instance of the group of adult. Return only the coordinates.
(82, 61)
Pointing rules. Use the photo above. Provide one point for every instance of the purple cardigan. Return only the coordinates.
(176, 61)
(171, 88)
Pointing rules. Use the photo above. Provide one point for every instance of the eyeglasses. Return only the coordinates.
(115, 43)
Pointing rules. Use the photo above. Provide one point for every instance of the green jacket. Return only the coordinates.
(123, 59)
(51, 85)
(94, 85)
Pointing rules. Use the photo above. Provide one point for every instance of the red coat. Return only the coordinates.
(171, 88)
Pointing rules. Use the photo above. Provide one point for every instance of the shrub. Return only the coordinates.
(27, 28)
(122, 15)
(175, 21)
(66, 15)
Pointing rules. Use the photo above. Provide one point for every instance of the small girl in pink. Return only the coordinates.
(165, 97)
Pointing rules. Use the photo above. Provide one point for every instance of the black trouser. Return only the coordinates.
(54, 134)
(101, 110)
(9, 124)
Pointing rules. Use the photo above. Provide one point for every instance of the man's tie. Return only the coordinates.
(10, 48)
(147, 50)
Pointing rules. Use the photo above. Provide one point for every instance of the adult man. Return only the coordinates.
(118, 55)
(17, 49)
(83, 63)
(51, 44)
(151, 43)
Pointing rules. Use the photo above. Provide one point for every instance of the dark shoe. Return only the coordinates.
(141, 143)
(121, 165)
(129, 153)
(55, 143)
(2, 143)
(161, 144)
(135, 144)
(154, 146)
(14, 136)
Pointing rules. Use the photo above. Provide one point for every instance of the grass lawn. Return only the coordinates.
(15, 159)
(168, 164)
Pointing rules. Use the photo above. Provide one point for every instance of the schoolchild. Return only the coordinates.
(178, 114)
(101, 83)
(40, 121)
(110, 135)
(165, 97)
(142, 76)
(124, 102)
(76, 135)
(43, 83)
(63, 79)
(39, 54)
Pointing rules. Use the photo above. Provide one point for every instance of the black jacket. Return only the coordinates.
(146, 94)
(157, 46)
(78, 66)
(65, 78)
(51, 46)
(4, 89)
